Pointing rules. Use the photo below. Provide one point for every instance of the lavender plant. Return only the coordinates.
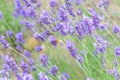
(71, 41)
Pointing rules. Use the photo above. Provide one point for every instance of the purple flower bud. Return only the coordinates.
(53, 3)
(68, 4)
(36, 36)
(79, 12)
(44, 59)
(45, 18)
(78, 2)
(38, 48)
(1, 16)
(42, 76)
(54, 70)
(116, 29)
(117, 51)
(42, 37)
(27, 24)
(52, 40)
(19, 77)
(4, 42)
(80, 59)
(11, 64)
(27, 77)
(31, 63)
(27, 53)
(27, 4)
(104, 3)
(19, 35)
(19, 38)
(65, 76)
(70, 46)
(25, 67)
(63, 16)
(9, 33)
(18, 48)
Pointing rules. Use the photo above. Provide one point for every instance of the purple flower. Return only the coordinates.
(104, 3)
(70, 46)
(36, 36)
(116, 29)
(64, 76)
(27, 4)
(79, 12)
(96, 19)
(38, 48)
(11, 64)
(33, 1)
(25, 67)
(19, 35)
(9, 33)
(19, 38)
(27, 53)
(27, 24)
(44, 59)
(18, 48)
(37, 2)
(42, 37)
(5, 73)
(80, 59)
(53, 3)
(42, 76)
(4, 42)
(1, 16)
(52, 40)
(62, 14)
(19, 77)
(116, 74)
(54, 70)
(45, 18)
(117, 51)
(31, 63)
(68, 4)
(27, 77)
(78, 2)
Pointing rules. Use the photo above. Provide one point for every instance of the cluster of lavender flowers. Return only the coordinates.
(69, 22)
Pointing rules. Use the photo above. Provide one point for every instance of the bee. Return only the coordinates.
(31, 43)
(59, 42)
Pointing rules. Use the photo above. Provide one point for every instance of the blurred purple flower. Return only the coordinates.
(27, 77)
(70, 46)
(1, 16)
(9, 33)
(11, 64)
(42, 76)
(117, 51)
(18, 48)
(31, 63)
(52, 40)
(38, 48)
(27, 24)
(19, 37)
(27, 53)
(45, 18)
(53, 3)
(54, 70)
(116, 29)
(79, 12)
(44, 59)
(68, 5)
(62, 14)
(64, 76)
(25, 67)
(4, 42)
